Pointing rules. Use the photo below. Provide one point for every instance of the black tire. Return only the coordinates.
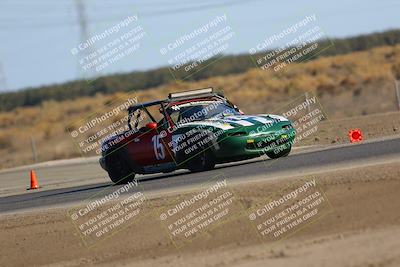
(204, 161)
(283, 153)
(118, 168)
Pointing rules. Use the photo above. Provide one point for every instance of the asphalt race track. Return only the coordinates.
(304, 163)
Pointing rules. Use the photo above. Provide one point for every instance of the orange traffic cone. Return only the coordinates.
(34, 183)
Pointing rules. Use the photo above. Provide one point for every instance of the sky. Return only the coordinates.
(37, 35)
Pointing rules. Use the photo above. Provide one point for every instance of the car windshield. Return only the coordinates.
(195, 111)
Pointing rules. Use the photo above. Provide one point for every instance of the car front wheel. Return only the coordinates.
(204, 161)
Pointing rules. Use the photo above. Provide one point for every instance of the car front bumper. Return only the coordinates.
(253, 145)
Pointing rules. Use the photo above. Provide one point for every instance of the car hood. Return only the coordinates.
(238, 121)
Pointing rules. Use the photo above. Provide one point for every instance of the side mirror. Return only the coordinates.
(151, 125)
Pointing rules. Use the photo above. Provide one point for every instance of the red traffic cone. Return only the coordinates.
(34, 183)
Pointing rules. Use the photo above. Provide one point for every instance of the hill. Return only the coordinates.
(227, 65)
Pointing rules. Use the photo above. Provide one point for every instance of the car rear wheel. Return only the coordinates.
(118, 169)
(204, 161)
(282, 153)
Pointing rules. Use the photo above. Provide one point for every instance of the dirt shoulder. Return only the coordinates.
(359, 228)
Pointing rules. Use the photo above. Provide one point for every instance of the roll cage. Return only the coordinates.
(172, 100)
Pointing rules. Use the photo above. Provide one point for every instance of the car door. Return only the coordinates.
(150, 147)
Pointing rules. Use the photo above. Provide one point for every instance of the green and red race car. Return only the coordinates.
(192, 130)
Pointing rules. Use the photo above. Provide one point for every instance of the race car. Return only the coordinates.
(191, 130)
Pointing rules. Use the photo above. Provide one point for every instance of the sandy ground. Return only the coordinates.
(333, 131)
(359, 226)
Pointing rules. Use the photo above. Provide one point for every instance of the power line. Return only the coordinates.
(84, 32)
(187, 9)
